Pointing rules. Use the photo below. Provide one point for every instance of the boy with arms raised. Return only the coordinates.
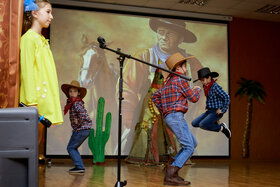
(171, 100)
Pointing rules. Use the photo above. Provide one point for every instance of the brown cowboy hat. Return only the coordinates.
(175, 60)
(74, 84)
(177, 25)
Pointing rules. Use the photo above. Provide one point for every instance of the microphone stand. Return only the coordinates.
(121, 58)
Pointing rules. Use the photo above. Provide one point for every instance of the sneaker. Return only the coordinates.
(76, 170)
(226, 130)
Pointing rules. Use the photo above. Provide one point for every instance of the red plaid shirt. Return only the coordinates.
(173, 96)
(78, 111)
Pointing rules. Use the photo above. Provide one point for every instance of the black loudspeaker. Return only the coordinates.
(19, 147)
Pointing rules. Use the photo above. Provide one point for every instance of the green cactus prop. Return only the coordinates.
(98, 140)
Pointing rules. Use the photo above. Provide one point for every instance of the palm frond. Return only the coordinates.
(252, 89)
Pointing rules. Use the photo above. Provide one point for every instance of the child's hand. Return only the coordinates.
(197, 87)
(218, 111)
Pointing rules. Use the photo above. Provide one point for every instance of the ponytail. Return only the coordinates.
(27, 21)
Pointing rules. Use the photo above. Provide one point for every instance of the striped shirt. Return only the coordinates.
(173, 96)
(217, 98)
(78, 111)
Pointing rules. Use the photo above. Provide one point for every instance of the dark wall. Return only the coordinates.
(255, 54)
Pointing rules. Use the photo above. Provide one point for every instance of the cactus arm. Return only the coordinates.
(107, 127)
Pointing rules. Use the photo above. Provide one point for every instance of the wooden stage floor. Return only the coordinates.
(202, 173)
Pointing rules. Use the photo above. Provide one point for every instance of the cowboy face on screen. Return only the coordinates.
(168, 39)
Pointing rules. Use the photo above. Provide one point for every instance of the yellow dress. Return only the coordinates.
(39, 85)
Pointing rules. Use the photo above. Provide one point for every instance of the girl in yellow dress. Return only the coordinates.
(39, 85)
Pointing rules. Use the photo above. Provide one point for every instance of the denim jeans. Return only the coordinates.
(75, 141)
(177, 123)
(208, 121)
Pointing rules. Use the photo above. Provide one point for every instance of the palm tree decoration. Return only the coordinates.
(253, 90)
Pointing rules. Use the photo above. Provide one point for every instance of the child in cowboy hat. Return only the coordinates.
(217, 103)
(171, 100)
(80, 122)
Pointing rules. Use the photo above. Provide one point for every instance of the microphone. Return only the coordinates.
(102, 42)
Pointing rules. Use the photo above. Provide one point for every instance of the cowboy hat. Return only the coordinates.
(205, 72)
(74, 84)
(175, 60)
(177, 25)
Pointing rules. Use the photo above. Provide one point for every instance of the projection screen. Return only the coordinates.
(73, 35)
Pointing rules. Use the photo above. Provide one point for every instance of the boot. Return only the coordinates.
(170, 161)
(171, 179)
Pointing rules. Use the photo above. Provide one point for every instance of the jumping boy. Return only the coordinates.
(171, 100)
(217, 103)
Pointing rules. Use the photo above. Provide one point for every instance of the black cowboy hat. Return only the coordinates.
(205, 72)
(177, 25)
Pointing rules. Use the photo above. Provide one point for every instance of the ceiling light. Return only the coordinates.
(269, 9)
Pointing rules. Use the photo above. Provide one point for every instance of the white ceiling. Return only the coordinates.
(235, 8)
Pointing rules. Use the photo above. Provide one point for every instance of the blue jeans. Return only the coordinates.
(208, 121)
(178, 125)
(75, 141)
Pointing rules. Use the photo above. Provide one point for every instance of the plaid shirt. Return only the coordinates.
(217, 98)
(173, 96)
(78, 111)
